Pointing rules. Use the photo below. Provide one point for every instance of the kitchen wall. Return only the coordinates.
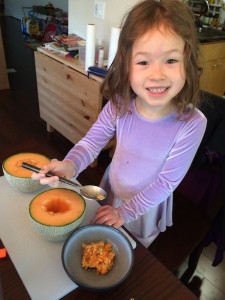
(15, 9)
(81, 13)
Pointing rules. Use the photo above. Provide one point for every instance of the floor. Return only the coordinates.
(22, 130)
(207, 282)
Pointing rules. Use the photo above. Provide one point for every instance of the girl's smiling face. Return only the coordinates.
(157, 71)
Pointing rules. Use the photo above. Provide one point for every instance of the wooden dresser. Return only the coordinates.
(69, 101)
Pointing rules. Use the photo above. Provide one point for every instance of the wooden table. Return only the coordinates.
(149, 279)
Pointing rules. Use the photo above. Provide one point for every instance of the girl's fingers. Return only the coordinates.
(37, 176)
(52, 181)
(108, 215)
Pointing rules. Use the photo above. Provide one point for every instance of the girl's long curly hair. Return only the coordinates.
(173, 15)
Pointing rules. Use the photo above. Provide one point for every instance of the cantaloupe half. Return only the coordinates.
(20, 178)
(55, 213)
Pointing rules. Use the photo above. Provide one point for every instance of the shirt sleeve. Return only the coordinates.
(175, 168)
(101, 132)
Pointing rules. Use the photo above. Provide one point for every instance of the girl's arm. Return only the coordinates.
(88, 148)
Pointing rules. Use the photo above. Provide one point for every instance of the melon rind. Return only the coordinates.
(56, 233)
(25, 185)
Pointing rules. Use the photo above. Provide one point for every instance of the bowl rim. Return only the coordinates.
(89, 287)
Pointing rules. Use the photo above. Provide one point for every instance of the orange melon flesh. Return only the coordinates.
(20, 178)
(12, 165)
(57, 207)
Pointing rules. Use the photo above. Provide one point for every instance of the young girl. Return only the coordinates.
(152, 87)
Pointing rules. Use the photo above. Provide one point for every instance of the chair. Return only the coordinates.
(199, 199)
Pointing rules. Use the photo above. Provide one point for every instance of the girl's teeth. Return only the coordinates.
(159, 90)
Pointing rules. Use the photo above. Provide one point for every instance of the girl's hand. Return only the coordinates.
(108, 215)
(59, 168)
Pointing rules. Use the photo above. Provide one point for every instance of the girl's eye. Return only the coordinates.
(143, 63)
(171, 61)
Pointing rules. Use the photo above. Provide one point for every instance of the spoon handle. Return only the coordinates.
(49, 174)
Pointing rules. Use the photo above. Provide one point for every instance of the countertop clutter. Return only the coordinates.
(41, 22)
(210, 19)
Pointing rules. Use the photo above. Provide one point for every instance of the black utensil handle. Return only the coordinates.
(49, 174)
(35, 169)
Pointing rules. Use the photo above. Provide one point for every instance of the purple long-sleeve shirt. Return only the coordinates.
(150, 160)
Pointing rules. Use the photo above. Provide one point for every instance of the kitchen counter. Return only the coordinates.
(211, 35)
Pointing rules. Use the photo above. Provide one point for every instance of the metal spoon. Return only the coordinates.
(90, 192)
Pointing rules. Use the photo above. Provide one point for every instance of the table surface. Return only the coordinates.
(149, 279)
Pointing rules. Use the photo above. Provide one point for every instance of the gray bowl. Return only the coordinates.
(72, 256)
